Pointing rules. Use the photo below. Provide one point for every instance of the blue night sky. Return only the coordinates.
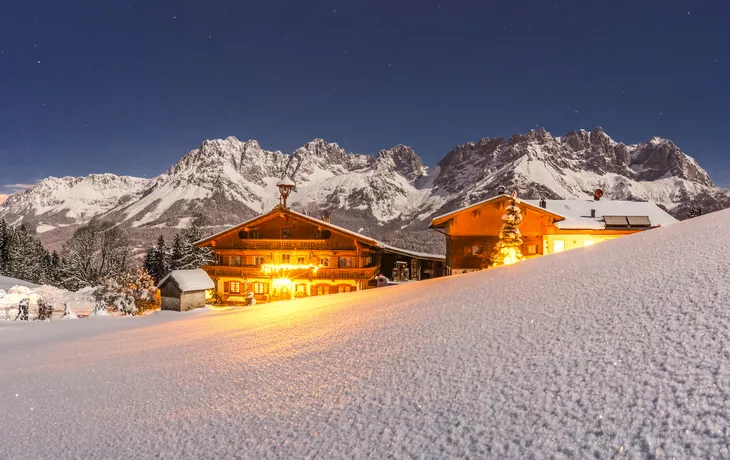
(129, 87)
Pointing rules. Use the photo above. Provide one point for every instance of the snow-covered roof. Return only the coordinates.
(189, 280)
(285, 181)
(578, 212)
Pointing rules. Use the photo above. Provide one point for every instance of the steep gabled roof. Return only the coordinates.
(439, 221)
(282, 210)
(321, 223)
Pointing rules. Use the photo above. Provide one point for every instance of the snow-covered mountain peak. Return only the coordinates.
(70, 200)
(404, 161)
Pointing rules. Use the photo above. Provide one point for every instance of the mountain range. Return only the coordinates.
(391, 195)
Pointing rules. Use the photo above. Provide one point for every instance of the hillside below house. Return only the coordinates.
(616, 350)
(391, 196)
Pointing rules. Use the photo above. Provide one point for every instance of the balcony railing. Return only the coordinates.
(287, 244)
(322, 273)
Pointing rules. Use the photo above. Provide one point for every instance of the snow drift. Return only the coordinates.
(620, 348)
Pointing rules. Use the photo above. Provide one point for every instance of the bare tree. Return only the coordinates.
(95, 251)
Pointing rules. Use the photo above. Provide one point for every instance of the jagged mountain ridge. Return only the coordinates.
(391, 195)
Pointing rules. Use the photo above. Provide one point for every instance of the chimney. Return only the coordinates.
(597, 194)
(543, 203)
(593, 213)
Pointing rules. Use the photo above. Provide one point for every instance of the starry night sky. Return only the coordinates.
(129, 87)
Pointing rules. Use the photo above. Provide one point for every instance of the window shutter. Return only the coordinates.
(266, 288)
(227, 286)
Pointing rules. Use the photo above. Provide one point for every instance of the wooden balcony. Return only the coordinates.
(280, 244)
(322, 273)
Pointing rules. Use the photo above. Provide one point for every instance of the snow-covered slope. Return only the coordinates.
(615, 350)
(391, 195)
(6, 283)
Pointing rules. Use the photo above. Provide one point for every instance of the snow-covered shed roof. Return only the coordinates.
(578, 212)
(189, 280)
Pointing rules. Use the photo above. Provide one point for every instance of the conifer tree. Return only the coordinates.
(508, 249)
(177, 256)
(157, 260)
(5, 242)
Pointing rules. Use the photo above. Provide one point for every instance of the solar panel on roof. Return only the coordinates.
(615, 221)
(639, 221)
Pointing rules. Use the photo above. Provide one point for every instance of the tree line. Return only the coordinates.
(95, 252)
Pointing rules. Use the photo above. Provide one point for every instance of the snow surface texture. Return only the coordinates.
(190, 280)
(618, 349)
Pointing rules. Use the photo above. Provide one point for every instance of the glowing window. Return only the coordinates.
(285, 258)
(558, 246)
(235, 287)
(587, 243)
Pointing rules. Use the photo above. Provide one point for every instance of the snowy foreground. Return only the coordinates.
(619, 349)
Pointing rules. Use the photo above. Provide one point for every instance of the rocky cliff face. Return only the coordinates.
(391, 195)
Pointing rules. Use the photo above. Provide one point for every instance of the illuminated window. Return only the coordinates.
(323, 289)
(475, 250)
(558, 246)
(300, 260)
(532, 249)
(259, 288)
(235, 287)
(236, 260)
(343, 288)
(302, 288)
(587, 243)
(286, 232)
(324, 261)
(285, 258)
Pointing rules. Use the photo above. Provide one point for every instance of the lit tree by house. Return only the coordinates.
(509, 248)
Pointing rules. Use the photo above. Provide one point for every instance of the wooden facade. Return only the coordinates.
(472, 232)
(284, 254)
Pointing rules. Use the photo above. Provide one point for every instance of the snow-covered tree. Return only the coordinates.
(130, 293)
(95, 251)
(508, 249)
(178, 253)
(5, 242)
(157, 260)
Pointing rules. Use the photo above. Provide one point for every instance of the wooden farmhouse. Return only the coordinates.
(183, 290)
(285, 254)
(548, 226)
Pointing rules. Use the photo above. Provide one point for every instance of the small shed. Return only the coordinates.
(183, 290)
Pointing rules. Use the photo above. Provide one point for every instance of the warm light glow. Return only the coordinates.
(277, 268)
(587, 242)
(208, 294)
(510, 256)
(278, 283)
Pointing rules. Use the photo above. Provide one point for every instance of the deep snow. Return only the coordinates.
(618, 348)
